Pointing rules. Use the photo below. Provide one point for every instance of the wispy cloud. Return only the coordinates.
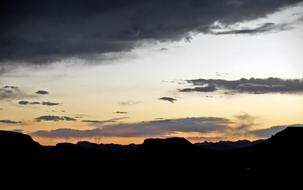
(113, 120)
(129, 103)
(13, 93)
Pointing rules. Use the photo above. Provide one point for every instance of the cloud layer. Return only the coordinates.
(252, 85)
(145, 129)
(202, 127)
(40, 32)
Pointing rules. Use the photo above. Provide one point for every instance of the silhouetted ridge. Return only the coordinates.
(172, 148)
(14, 140)
(14, 146)
(116, 148)
(289, 134)
(228, 145)
(281, 155)
(289, 138)
(167, 143)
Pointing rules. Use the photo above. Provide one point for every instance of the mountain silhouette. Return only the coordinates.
(278, 156)
(228, 145)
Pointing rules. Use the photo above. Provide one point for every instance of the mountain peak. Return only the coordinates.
(291, 133)
(11, 141)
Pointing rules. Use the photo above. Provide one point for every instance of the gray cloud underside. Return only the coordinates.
(252, 85)
(54, 118)
(40, 32)
(5, 121)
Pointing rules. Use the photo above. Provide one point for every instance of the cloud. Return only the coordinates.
(54, 118)
(35, 103)
(129, 103)
(25, 102)
(208, 88)
(39, 32)
(13, 93)
(42, 92)
(50, 103)
(265, 27)
(121, 112)
(268, 132)
(169, 99)
(252, 85)
(145, 129)
(10, 121)
(113, 120)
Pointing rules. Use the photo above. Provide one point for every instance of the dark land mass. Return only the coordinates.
(169, 161)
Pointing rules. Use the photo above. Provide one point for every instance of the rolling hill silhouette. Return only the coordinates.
(280, 155)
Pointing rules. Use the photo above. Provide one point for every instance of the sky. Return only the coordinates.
(113, 71)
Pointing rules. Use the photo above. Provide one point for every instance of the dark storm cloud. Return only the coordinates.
(146, 129)
(169, 99)
(40, 32)
(13, 93)
(54, 118)
(5, 121)
(42, 92)
(252, 85)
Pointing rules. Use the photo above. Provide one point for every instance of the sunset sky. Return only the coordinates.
(113, 71)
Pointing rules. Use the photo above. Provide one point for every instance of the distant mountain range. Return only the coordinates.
(279, 156)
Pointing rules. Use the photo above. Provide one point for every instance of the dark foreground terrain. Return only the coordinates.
(173, 160)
